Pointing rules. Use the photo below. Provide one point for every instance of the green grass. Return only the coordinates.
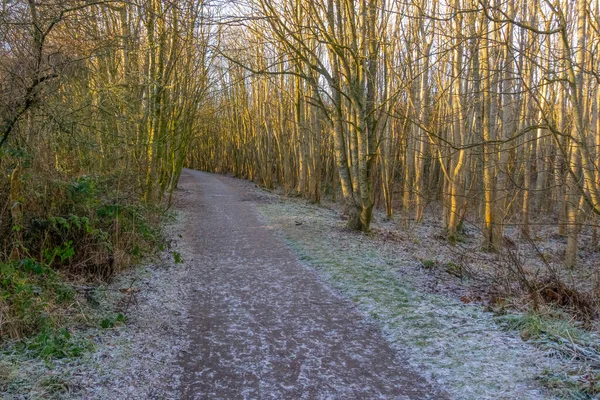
(572, 385)
(550, 326)
(553, 331)
(30, 294)
(54, 344)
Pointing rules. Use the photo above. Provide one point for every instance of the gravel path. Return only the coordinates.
(264, 326)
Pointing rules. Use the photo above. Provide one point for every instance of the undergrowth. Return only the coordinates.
(32, 295)
(53, 344)
(553, 313)
(60, 237)
(567, 339)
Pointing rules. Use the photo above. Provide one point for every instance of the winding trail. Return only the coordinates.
(262, 325)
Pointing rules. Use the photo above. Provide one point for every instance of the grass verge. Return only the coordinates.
(459, 346)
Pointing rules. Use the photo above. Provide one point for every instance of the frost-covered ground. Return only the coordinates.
(134, 360)
(264, 326)
(458, 345)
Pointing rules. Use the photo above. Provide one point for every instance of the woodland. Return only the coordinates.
(98, 102)
(481, 114)
(481, 117)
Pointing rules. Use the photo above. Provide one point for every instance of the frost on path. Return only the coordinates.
(263, 326)
(458, 345)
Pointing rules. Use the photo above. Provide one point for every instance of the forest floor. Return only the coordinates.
(262, 296)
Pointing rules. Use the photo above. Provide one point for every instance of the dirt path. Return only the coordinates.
(262, 325)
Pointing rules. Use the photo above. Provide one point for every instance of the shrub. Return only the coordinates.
(70, 230)
(29, 293)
